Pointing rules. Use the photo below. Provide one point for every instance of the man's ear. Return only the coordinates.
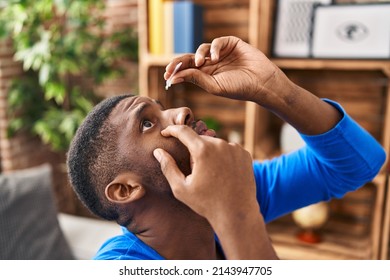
(125, 188)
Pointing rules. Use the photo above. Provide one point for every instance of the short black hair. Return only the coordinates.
(90, 167)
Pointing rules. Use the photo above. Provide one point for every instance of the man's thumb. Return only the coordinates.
(169, 168)
(158, 154)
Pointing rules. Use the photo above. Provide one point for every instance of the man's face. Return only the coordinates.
(140, 121)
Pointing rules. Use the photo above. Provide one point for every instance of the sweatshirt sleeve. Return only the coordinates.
(328, 166)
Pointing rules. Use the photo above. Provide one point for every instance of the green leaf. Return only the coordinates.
(55, 91)
(14, 125)
(44, 73)
(35, 56)
(68, 126)
(20, 16)
(84, 104)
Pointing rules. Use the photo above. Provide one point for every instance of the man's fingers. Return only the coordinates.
(216, 46)
(188, 61)
(221, 45)
(213, 50)
(186, 135)
(169, 168)
(197, 77)
(202, 52)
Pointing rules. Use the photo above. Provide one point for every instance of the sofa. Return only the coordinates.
(85, 235)
(31, 228)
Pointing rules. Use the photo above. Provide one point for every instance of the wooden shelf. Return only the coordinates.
(334, 246)
(333, 64)
(343, 237)
(385, 238)
(253, 23)
(158, 60)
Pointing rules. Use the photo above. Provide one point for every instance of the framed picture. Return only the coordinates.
(351, 31)
(293, 26)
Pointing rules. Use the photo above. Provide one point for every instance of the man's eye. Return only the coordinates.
(146, 125)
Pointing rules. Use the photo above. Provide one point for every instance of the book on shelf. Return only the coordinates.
(168, 27)
(188, 26)
(156, 28)
(174, 26)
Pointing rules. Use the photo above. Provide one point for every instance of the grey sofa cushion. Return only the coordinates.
(29, 227)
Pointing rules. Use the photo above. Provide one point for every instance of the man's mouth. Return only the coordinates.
(201, 128)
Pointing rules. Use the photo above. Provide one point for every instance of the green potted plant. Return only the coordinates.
(66, 52)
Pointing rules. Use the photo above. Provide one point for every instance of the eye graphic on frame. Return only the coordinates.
(352, 32)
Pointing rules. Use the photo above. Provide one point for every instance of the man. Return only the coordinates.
(180, 194)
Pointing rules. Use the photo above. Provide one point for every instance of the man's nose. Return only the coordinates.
(183, 116)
